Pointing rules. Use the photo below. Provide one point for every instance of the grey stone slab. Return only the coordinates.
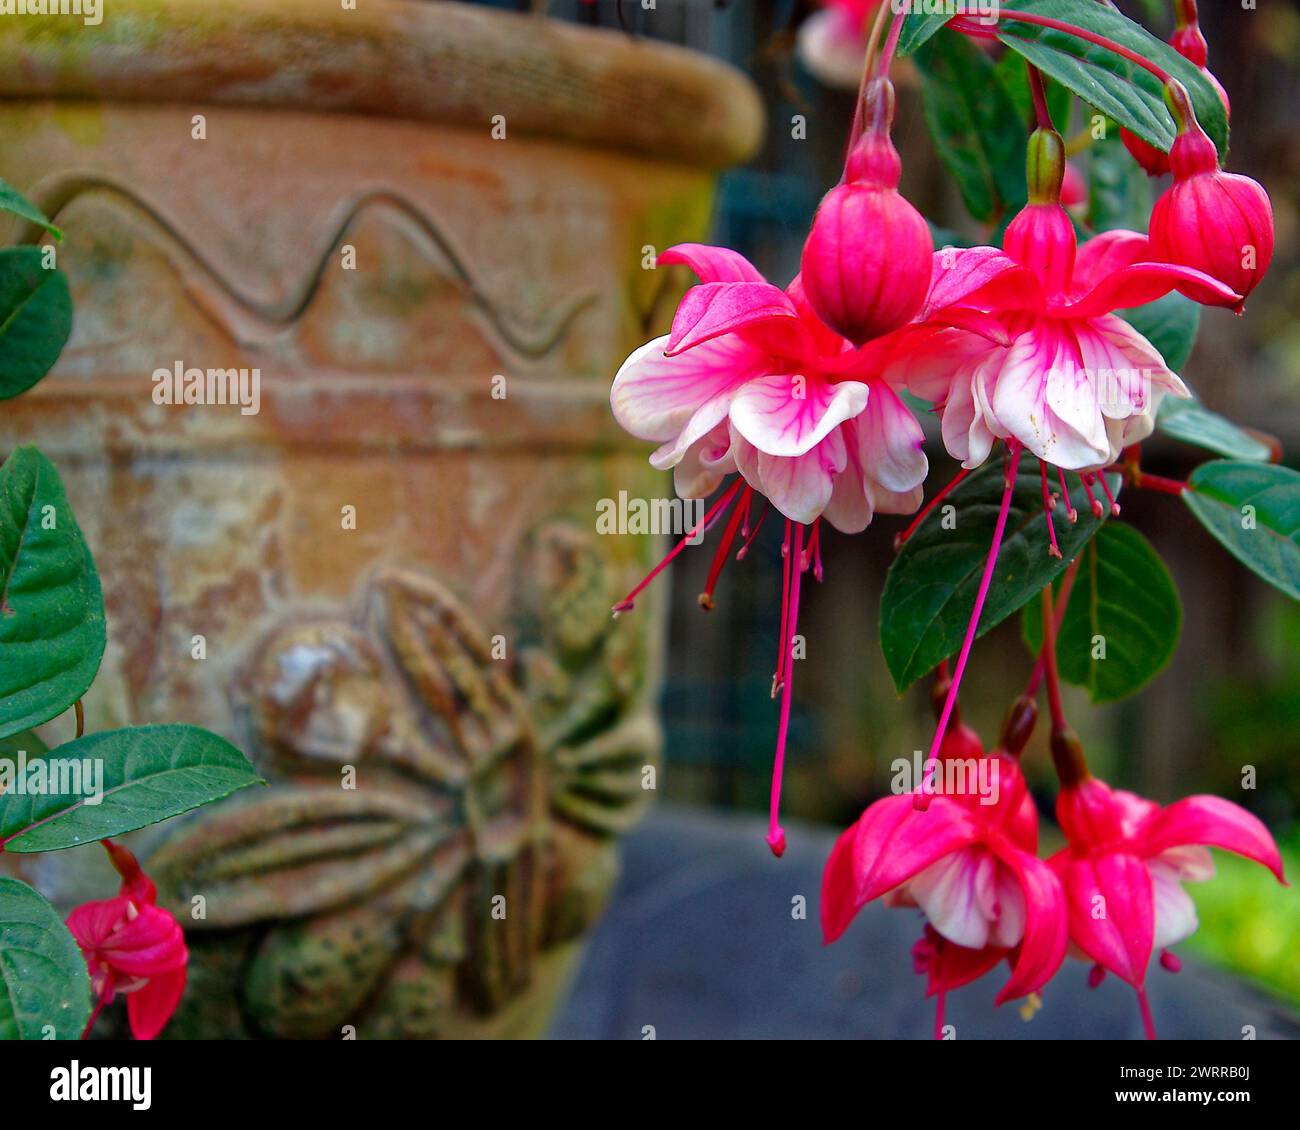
(700, 943)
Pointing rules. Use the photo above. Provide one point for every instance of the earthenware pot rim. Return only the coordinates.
(424, 60)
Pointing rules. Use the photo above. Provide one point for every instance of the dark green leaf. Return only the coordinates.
(1170, 324)
(918, 29)
(1123, 620)
(29, 741)
(1125, 91)
(46, 987)
(11, 200)
(1191, 422)
(141, 775)
(51, 606)
(930, 591)
(35, 318)
(1253, 509)
(974, 125)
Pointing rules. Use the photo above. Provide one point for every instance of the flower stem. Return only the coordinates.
(985, 582)
(1147, 1022)
(1078, 32)
(1041, 111)
(1049, 662)
(1062, 602)
(868, 67)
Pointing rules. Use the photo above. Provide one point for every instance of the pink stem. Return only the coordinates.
(1089, 37)
(1147, 1022)
(775, 834)
(921, 800)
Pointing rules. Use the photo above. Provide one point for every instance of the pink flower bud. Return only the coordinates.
(1217, 222)
(1154, 162)
(866, 262)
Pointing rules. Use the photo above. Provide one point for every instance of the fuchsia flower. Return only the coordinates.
(970, 866)
(134, 947)
(866, 262)
(1216, 222)
(751, 381)
(1021, 344)
(1125, 865)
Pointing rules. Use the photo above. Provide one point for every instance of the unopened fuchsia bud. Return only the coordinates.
(1041, 236)
(1216, 222)
(866, 263)
(1189, 41)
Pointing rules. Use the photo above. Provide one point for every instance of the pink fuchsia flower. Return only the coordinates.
(866, 262)
(134, 947)
(749, 380)
(832, 42)
(970, 866)
(1124, 868)
(1216, 222)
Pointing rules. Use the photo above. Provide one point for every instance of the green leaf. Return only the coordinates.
(141, 775)
(974, 125)
(930, 590)
(46, 986)
(1191, 422)
(1253, 510)
(35, 318)
(1125, 91)
(918, 29)
(1170, 324)
(51, 606)
(29, 741)
(1124, 597)
(11, 200)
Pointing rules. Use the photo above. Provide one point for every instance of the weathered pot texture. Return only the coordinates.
(385, 584)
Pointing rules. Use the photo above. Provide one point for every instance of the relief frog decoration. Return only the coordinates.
(439, 830)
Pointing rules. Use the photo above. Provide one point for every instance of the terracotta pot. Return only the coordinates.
(385, 584)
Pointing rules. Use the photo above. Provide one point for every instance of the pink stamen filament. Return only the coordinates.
(1114, 506)
(628, 602)
(779, 678)
(724, 548)
(1070, 511)
(1048, 506)
(921, 800)
(775, 835)
(752, 534)
(813, 554)
(1097, 509)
